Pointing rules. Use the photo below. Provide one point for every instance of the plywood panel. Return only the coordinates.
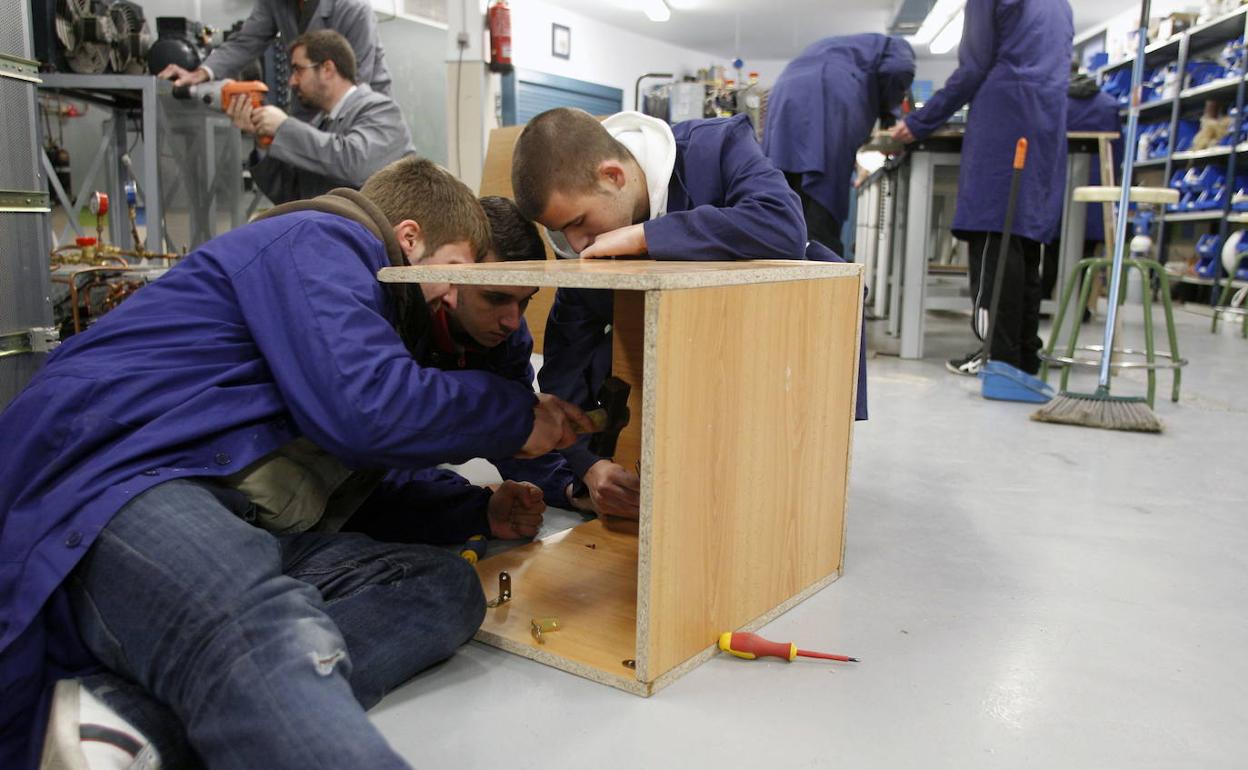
(587, 578)
(496, 180)
(631, 274)
(627, 349)
(753, 408)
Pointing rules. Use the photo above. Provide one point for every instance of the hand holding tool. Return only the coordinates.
(751, 646)
(610, 417)
(220, 93)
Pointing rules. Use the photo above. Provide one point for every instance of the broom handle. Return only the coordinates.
(998, 278)
(1124, 202)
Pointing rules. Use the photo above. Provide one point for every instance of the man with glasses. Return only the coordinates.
(285, 20)
(355, 131)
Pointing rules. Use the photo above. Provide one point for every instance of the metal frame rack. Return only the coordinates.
(1230, 91)
(25, 316)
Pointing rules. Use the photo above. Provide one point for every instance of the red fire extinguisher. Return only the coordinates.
(500, 36)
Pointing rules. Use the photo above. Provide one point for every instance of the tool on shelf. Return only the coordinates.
(751, 646)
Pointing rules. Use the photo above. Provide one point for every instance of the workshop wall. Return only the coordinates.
(600, 53)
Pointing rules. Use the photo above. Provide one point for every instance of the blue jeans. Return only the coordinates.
(254, 650)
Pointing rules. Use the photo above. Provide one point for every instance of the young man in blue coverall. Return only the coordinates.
(485, 331)
(1013, 68)
(633, 186)
(822, 109)
(175, 476)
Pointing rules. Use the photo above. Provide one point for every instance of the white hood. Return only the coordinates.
(653, 146)
(652, 143)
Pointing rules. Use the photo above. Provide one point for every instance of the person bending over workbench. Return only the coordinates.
(485, 330)
(631, 186)
(822, 109)
(355, 132)
(1013, 67)
(353, 19)
(175, 477)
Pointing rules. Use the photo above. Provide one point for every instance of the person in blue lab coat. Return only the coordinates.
(485, 331)
(1013, 66)
(174, 476)
(632, 185)
(822, 109)
(1088, 108)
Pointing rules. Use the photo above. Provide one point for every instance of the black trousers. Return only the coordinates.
(820, 224)
(1015, 337)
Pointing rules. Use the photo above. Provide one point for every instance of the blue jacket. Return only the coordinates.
(1099, 113)
(725, 202)
(254, 339)
(1013, 66)
(824, 104)
(436, 505)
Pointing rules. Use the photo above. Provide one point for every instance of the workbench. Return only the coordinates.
(743, 380)
(912, 227)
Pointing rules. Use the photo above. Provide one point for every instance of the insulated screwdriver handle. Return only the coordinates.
(751, 646)
(474, 550)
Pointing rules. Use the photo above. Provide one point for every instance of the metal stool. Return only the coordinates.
(1148, 269)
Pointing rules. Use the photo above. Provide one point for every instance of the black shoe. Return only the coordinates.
(967, 366)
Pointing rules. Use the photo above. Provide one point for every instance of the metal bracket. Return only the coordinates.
(25, 201)
(39, 339)
(540, 626)
(17, 68)
(504, 591)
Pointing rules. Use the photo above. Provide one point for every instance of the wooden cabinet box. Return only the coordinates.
(743, 382)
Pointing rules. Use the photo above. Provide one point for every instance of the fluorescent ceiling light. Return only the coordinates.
(949, 37)
(937, 20)
(655, 10)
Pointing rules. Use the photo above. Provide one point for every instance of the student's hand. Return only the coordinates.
(266, 119)
(515, 510)
(901, 132)
(242, 114)
(182, 77)
(555, 424)
(613, 490)
(627, 241)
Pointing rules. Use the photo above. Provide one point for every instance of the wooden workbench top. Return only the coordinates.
(633, 274)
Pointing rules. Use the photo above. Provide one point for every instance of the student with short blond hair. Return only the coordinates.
(175, 480)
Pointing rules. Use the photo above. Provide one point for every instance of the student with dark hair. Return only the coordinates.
(484, 331)
(176, 477)
(822, 109)
(354, 132)
(630, 186)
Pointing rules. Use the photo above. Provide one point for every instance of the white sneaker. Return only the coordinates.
(968, 366)
(85, 734)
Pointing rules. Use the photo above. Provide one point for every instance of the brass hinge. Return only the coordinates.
(39, 339)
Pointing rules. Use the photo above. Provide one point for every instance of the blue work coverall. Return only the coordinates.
(1013, 67)
(822, 109)
(725, 201)
(273, 331)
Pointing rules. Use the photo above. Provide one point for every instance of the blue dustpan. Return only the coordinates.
(1008, 383)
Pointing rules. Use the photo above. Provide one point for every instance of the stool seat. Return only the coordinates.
(1112, 194)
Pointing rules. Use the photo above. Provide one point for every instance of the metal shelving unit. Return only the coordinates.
(1180, 49)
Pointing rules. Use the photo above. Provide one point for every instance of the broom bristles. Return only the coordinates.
(1099, 410)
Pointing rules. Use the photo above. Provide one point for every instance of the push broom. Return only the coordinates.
(1100, 409)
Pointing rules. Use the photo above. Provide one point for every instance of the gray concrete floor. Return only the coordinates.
(1021, 595)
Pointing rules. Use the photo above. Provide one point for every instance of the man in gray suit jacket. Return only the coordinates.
(355, 131)
(353, 19)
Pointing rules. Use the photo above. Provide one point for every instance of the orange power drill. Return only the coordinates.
(221, 93)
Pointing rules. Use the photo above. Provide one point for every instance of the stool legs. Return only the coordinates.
(1083, 276)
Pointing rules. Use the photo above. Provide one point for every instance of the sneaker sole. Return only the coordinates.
(62, 748)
